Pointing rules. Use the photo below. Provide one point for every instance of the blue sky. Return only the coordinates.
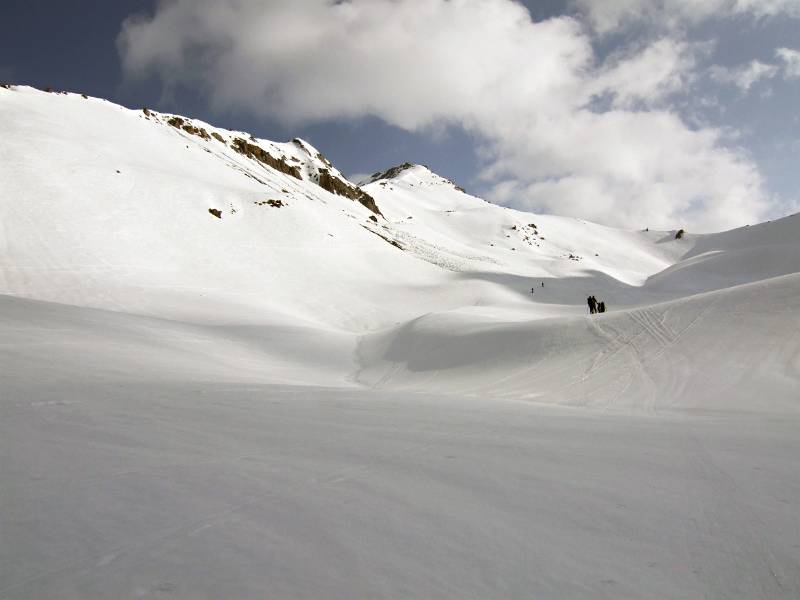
(629, 112)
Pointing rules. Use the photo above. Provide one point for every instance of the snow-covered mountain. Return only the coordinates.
(245, 258)
(226, 371)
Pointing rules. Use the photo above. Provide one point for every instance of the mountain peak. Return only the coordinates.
(421, 172)
(391, 173)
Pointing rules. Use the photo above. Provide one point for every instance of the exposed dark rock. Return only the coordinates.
(258, 153)
(218, 137)
(373, 218)
(84, 96)
(198, 131)
(216, 212)
(679, 234)
(179, 123)
(147, 112)
(272, 203)
(338, 186)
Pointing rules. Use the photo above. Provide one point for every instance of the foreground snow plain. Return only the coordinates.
(262, 491)
(279, 403)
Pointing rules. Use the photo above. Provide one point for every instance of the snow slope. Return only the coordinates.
(95, 197)
(421, 286)
(733, 350)
(201, 491)
(227, 372)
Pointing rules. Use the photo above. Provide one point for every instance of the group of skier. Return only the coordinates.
(595, 306)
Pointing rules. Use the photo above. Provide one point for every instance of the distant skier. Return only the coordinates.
(532, 290)
(592, 305)
(601, 307)
(543, 284)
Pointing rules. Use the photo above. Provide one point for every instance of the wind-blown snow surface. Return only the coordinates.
(315, 400)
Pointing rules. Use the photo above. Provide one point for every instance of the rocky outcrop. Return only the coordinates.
(179, 123)
(258, 153)
(339, 186)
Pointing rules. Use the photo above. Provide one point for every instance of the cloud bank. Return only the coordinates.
(557, 129)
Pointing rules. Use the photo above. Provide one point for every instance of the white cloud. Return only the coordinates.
(557, 131)
(745, 76)
(646, 76)
(639, 169)
(610, 15)
(791, 62)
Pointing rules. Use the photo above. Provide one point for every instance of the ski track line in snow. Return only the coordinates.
(619, 344)
(636, 359)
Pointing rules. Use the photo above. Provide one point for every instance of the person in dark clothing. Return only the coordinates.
(543, 284)
(601, 307)
(592, 305)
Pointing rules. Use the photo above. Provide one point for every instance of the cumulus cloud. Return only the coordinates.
(791, 62)
(611, 15)
(744, 76)
(557, 129)
(638, 169)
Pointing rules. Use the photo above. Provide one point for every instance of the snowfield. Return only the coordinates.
(227, 372)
